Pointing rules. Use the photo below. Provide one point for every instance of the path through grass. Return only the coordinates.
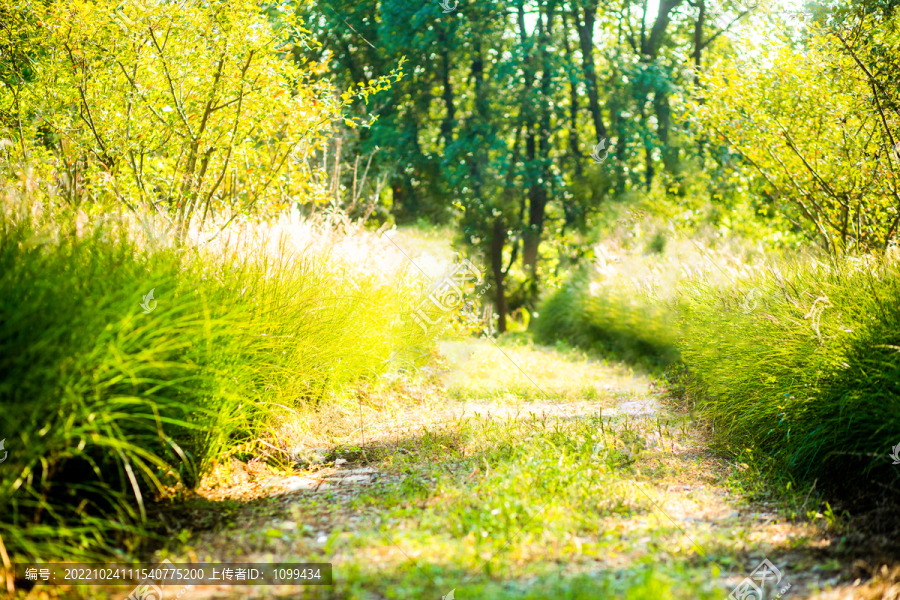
(514, 472)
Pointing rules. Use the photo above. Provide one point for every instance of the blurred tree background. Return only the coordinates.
(520, 119)
(517, 123)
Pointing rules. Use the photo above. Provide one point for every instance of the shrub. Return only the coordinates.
(106, 406)
(815, 125)
(608, 320)
(805, 368)
(194, 108)
(797, 365)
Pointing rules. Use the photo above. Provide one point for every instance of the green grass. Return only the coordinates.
(536, 507)
(616, 323)
(798, 368)
(807, 372)
(106, 409)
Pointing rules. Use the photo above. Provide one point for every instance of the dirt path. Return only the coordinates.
(514, 472)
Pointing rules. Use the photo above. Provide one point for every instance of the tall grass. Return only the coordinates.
(795, 362)
(106, 408)
(623, 304)
(805, 370)
(614, 322)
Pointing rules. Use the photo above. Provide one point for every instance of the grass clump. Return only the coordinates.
(796, 366)
(108, 406)
(618, 323)
(803, 367)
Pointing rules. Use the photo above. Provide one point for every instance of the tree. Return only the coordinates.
(501, 98)
(191, 108)
(819, 126)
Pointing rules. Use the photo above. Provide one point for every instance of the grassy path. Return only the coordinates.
(575, 481)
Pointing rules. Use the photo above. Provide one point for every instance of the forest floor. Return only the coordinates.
(514, 471)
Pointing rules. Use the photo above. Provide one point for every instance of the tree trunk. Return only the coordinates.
(671, 160)
(535, 210)
(650, 170)
(698, 41)
(642, 95)
(651, 45)
(574, 144)
(586, 41)
(539, 141)
(480, 120)
(498, 242)
(447, 124)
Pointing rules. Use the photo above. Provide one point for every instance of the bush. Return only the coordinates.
(805, 368)
(812, 122)
(610, 321)
(797, 366)
(196, 108)
(106, 406)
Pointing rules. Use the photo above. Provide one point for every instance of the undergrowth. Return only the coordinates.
(112, 399)
(802, 366)
(612, 323)
(796, 365)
